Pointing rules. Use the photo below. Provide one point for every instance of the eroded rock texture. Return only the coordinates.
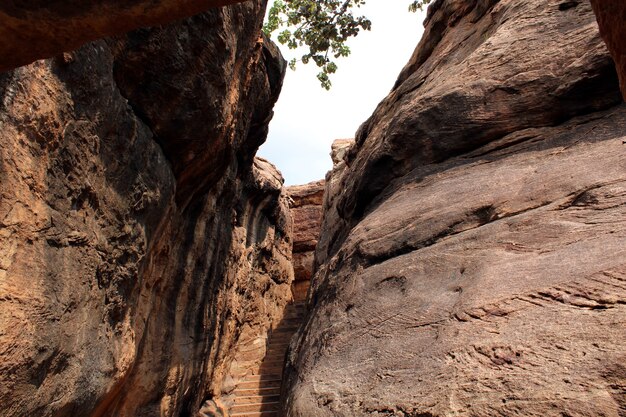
(306, 210)
(611, 15)
(473, 251)
(36, 29)
(137, 242)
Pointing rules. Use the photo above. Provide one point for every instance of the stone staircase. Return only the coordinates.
(258, 393)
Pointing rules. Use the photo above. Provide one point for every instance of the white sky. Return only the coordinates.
(308, 118)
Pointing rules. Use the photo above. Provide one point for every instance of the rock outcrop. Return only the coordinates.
(306, 210)
(36, 29)
(473, 248)
(611, 15)
(138, 236)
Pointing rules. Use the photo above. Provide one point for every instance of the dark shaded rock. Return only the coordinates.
(473, 244)
(117, 297)
(36, 29)
(205, 67)
(611, 16)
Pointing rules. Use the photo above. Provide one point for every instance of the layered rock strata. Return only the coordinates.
(306, 210)
(611, 15)
(473, 243)
(138, 236)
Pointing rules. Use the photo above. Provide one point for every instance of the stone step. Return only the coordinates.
(261, 383)
(294, 312)
(269, 406)
(294, 320)
(263, 363)
(284, 330)
(280, 341)
(277, 355)
(264, 377)
(255, 399)
(290, 328)
(276, 361)
(265, 370)
(257, 414)
(280, 344)
(276, 369)
(283, 342)
(258, 395)
(247, 392)
(277, 349)
(280, 337)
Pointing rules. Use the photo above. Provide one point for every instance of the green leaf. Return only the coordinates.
(322, 27)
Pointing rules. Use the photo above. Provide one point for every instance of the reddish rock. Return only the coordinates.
(472, 258)
(306, 210)
(611, 16)
(38, 29)
(125, 284)
(310, 194)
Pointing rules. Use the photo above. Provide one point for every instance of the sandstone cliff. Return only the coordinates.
(36, 29)
(306, 210)
(611, 16)
(138, 237)
(473, 248)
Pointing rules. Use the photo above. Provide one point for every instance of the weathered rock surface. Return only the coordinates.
(127, 274)
(611, 15)
(306, 210)
(36, 29)
(472, 259)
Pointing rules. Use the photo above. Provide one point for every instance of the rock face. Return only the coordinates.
(611, 15)
(38, 29)
(306, 210)
(138, 236)
(473, 248)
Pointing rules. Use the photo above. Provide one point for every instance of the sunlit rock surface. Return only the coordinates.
(306, 210)
(473, 251)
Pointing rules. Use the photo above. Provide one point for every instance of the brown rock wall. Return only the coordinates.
(124, 284)
(306, 209)
(472, 251)
(611, 16)
(36, 29)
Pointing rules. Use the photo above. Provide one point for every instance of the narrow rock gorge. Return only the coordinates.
(306, 210)
(473, 251)
(466, 255)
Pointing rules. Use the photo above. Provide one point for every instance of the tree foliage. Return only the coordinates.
(322, 28)
(418, 5)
